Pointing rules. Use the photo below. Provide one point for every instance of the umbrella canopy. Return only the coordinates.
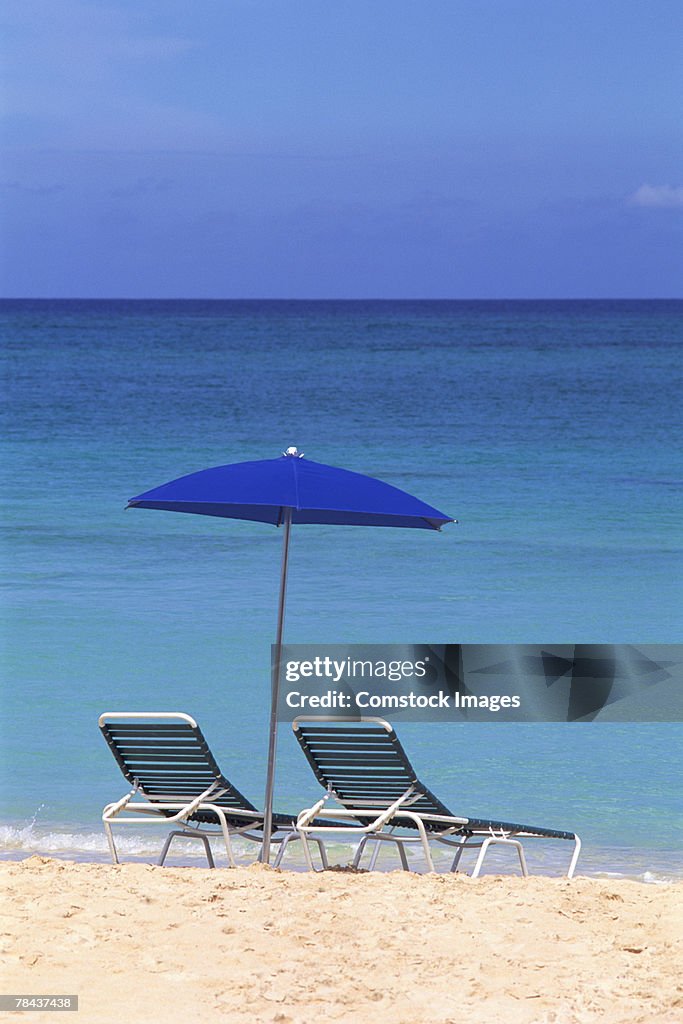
(261, 491)
(290, 489)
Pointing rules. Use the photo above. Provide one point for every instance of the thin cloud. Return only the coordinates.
(663, 196)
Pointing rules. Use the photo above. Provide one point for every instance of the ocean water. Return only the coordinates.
(550, 430)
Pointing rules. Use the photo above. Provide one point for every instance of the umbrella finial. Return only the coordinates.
(293, 453)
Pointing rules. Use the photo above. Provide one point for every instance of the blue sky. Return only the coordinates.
(263, 148)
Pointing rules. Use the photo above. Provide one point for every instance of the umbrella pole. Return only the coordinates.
(275, 690)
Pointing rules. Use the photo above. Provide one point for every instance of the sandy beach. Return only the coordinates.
(139, 943)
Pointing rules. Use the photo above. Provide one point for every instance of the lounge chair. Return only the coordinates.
(176, 781)
(365, 769)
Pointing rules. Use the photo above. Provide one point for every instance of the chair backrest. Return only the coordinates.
(362, 762)
(166, 755)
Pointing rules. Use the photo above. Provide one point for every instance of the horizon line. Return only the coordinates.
(375, 298)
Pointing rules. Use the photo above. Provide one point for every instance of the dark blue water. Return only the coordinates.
(550, 430)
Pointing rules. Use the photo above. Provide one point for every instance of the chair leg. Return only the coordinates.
(374, 856)
(226, 836)
(480, 859)
(307, 852)
(493, 841)
(283, 846)
(425, 846)
(187, 835)
(402, 855)
(360, 850)
(209, 854)
(295, 835)
(522, 859)
(322, 851)
(458, 855)
(165, 848)
(110, 840)
(575, 857)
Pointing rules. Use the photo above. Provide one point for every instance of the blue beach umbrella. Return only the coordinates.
(285, 491)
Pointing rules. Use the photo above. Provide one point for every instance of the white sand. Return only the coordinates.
(141, 944)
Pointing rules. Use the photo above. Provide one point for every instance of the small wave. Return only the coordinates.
(648, 877)
(18, 840)
(653, 878)
(24, 840)
(88, 845)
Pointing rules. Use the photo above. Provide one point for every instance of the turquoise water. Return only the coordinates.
(549, 430)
